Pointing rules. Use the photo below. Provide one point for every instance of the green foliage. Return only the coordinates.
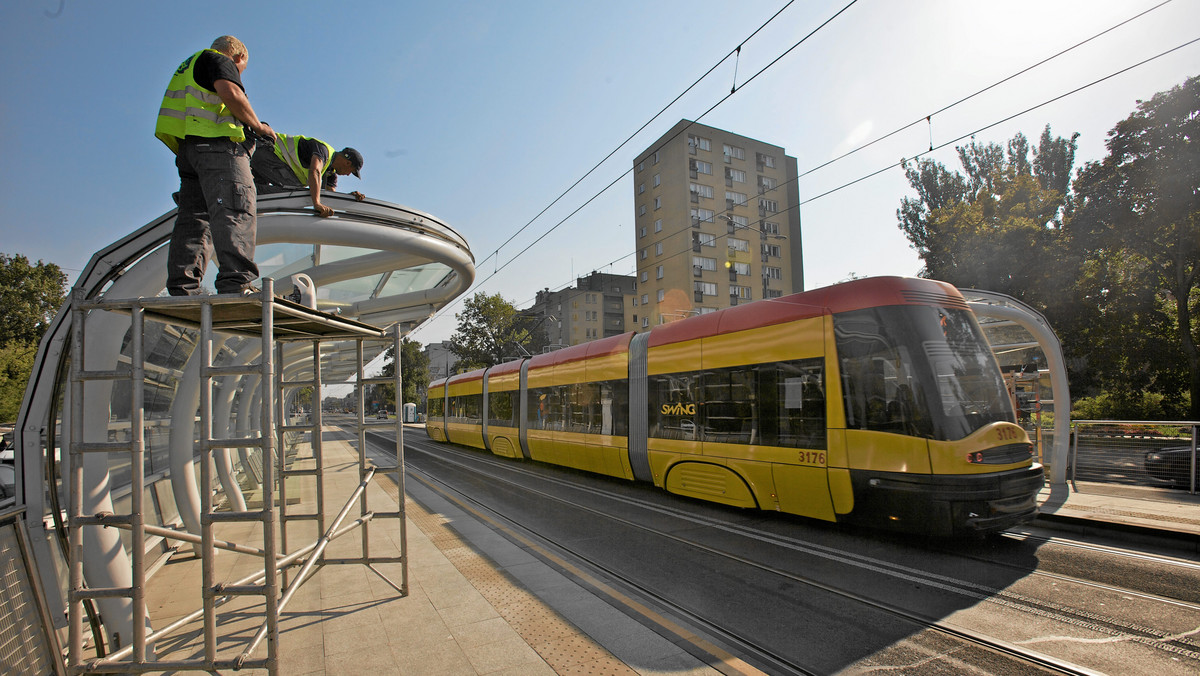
(492, 331)
(414, 370)
(16, 362)
(1124, 406)
(1138, 218)
(30, 295)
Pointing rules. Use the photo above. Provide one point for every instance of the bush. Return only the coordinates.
(1125, 406)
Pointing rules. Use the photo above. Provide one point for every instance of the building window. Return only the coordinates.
(658, 225)
(642, 210)
(735, 175)
(703, 263)
(770, 272)
(658, 248)
(734, 152)
(657, 203)
(644, 254)
(642, 231)
(741, 268)
(641, 166)
(658, 272)
(736, 244)
(702, 216)
(635, 301)
(645, 322)
(701, 190)
(770, 250)
(705, 288)
(738, 222)
(654, 157)
(706, 239)
(699, 143)
(766, 183)
(662, 293)
(742, 292)
(645, 275)
(768, 206)
(772, 293)
(641, 188)
(734, 199)
(769, 228)
(700, 167)
(764, 160)
(657, 181)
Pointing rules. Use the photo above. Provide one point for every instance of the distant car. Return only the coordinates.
(381, 414)
(1172, 464)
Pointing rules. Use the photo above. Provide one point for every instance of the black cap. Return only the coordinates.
(355, 159)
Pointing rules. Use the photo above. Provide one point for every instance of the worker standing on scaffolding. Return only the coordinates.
(203, 120)
(296, 162)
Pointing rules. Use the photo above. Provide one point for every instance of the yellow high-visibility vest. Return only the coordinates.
(191, 110)
(287, 148)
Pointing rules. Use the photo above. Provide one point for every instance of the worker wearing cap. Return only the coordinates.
(301, 161)
(203, 120)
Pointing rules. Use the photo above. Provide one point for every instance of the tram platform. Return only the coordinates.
(478, 603)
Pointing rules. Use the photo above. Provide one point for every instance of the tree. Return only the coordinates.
(1138, 210)
(414, 372)
(30, 295)
(492, 331)
(997, 225)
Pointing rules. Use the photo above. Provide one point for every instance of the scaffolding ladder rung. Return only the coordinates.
(102, 519)
(387, 515)
(370, 559)
(248, 442)
(297, 428)
(102, 593)
(102, 447)
(298, 383)
(301, 472)
(299, 517)
(233, 370)
(234, 517)
(387, 470)
(111, 374)
(240, 590)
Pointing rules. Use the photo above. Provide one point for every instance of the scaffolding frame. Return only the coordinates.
(275, 321)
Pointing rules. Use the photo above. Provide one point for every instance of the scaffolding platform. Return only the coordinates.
(267, 526)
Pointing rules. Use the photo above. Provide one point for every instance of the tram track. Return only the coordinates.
(976, 592)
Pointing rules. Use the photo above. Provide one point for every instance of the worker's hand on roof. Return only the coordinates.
(358, 196)
(323, 210)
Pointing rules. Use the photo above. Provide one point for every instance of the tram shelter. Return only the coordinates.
(148, 419)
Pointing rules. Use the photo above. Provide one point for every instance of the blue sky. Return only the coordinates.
(482, 113)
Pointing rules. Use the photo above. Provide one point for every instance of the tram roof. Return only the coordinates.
(844, 297)
(596, 348)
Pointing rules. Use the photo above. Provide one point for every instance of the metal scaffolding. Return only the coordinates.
(275, 322)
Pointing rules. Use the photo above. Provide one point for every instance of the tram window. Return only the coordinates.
(730, 408)
(581, 412)
(801, 401)
(539, 408)
(614, 407)
(436, 406)
(501, 409)
(672, 399)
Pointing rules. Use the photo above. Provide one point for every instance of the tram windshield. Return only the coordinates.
(918, 370)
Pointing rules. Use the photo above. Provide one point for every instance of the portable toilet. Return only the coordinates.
(410, 413)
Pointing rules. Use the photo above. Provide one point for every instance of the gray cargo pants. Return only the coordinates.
(217, 213)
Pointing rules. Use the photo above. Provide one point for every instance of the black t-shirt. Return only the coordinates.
(306, 148)
(212, 66)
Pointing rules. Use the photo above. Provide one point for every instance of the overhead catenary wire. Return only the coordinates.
(735, 89)
(591, 199)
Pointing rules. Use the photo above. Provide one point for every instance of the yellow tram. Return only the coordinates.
(876, 401)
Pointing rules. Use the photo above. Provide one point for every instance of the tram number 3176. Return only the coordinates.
(812, 458)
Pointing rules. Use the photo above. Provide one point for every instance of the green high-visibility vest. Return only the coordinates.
(287, 148)
(191, 110)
